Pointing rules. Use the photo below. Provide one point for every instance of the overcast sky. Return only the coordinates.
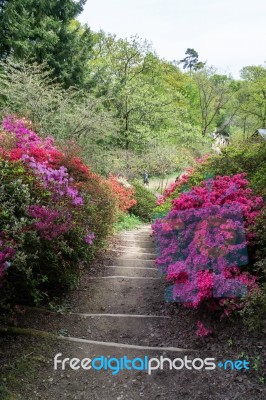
(228, 34)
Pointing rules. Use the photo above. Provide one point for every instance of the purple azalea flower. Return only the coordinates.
(89, 238)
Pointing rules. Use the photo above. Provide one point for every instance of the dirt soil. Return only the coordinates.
(125, 281)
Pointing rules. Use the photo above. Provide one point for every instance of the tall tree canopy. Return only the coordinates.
(44, 30)
(191, 61)
(214, 94)
(253, 95)
(134, 81)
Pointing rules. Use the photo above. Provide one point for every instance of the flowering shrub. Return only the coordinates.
(123, 193)
(202, 244)
(54, 214)
(174, 185)
(180, 182)
(6, 254)
(47, 223)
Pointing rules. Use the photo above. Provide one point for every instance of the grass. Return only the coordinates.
(127, 222)
(159, 184)
(20, 366)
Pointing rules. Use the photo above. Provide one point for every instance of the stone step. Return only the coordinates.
(150, 331)
(145, 244)
(126, 384)
(119, 295)
(133, 262)
(132, 271)
(134, 254)
(135, 247)
(133, 250)
(137, 234)
(138, 239)
(123, 277)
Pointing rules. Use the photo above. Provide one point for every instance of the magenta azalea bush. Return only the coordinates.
(54, 215)
(202, 244)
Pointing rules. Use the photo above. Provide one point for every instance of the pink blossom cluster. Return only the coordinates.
(6, 254)
(202, 242)
(174, 185)
(25, 137)
(56, 180)
(46, 162)
(203, 331)
(222, 190)
(182, 180)
(39, 154)
(89, 238)
(50, 223)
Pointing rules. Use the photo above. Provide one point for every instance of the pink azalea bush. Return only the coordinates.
(202, 244)
(180, 182)
(55, 213)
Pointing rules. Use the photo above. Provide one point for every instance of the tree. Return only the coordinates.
(191, 61)
(133, 80)
(252, 95)
(43, 30)
(29, 91)
(214, 93)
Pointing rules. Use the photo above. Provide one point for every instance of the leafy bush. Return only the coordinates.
(127, 222)
(54, 215)
(254, 311)
(145, 202)
(259, 249)
(123, 192)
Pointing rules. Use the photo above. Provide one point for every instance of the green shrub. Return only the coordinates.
(259, 248)
(127, 222)
(145, 202)
(254, 311)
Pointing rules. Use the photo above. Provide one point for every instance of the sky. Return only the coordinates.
(228, 34)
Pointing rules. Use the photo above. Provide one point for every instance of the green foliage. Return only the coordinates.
(127, 222)
(135, 112)
(148, 98)
(145, 202)
(164, 208)
(214, 94)
(191, 61)
(259, 232)
(131, 77)
(249, 157)
(252, 95)
(29, 90)
(254, 311)
(43, 30)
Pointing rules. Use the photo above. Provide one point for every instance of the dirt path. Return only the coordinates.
(122, 313)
